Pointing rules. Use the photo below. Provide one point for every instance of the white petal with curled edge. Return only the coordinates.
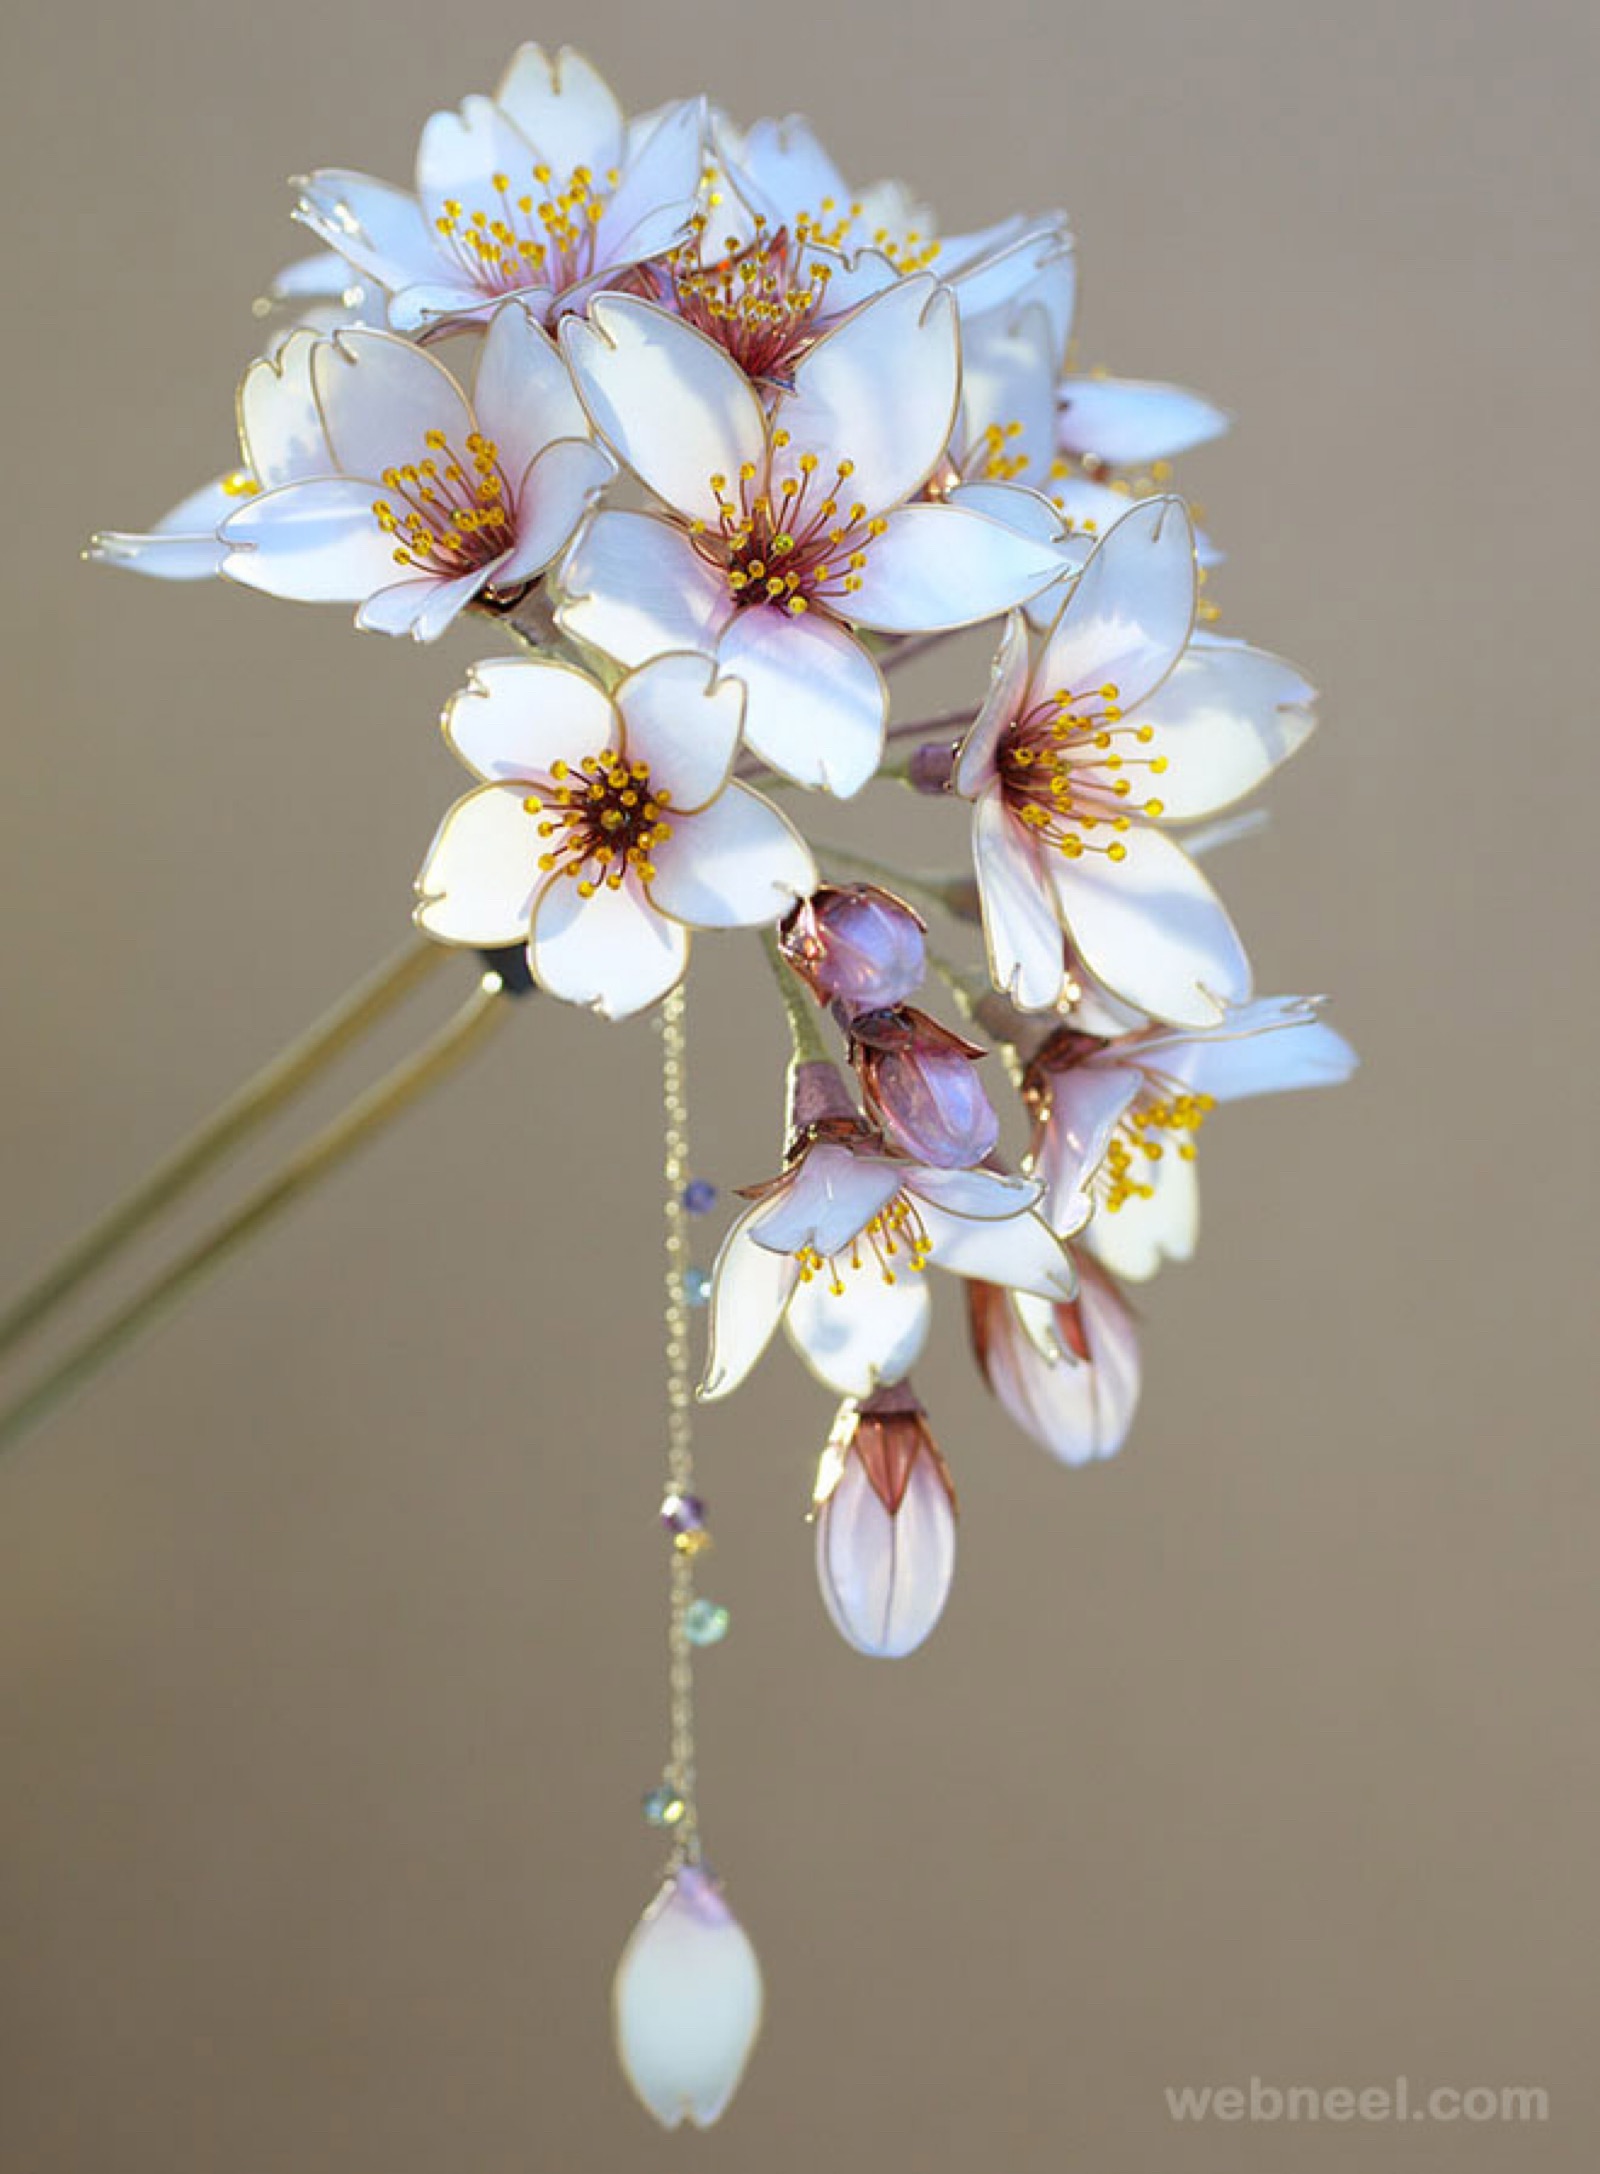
(423, 608)
(1021, 927)
(944, 566)
(1153, 930)
(634, 586)
(885, 1580)
(612, 952)
(750, 1286)
(654, 201)
(1224, 719)
(1128, 421)
(479, 880)
(829, 1197)
(1086, 1105)
(735, 864)
(871, 1332)
(670, 403)
(321, 277)
(1008, 683)
(460, 153)
(987, 1196)
(1273, 1046)
(879, 391)
(565, 109)
(558, 489)
(518, 715)
(427, 303)
(380, 397)
(1131, 609)
(683, 721)
(183, 545)
(523, 393)
(783, 166)
(379, 228)
(686, 2002)
(1019, 1251)
(1020, 264)
(1077, 1409)
(1143, 1233)
(280, 425)
(1092, 510)
(314, 542)
(815, 701)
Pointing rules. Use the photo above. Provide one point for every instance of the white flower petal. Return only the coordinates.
(612, 951)
(944, 566)
(460, 153)
(426, 303)
(879, 391)
(1129, 421)
(1273, 1046)
(1079, 1409)
(518, 715)
(1141, 1234)
(815, 703)
(1008, 680)
(523, 394)
(380, 397)
(551, 499)
(1086, 1105)
(1131, 609)
(1020, 265)
(565, 110)
(884, 1580)
(423, 608)
(783, 168)
(871, 1332)
(1152, 929)
(1091, 510)
(670, 403)
(1224, 719)
(280, 424)
(987, 1196)
(686, 2002)
(1019, 1251)
(826, 1200)
(479, 880)
(735, 864)
(314, 542)
(654, 200)
(750, 1287)
(378, 228)
(183, 545)
(635, 586)
(1021, 927)
(683, 720)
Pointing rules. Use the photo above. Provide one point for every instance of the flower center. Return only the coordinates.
(759, 301)
(542, 236)
(896, 1239)
(1064, 770)
(1138, 1143)
(447, 511)
(793, 542)
(603, 819)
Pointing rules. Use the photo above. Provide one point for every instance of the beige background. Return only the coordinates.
(329, 1625)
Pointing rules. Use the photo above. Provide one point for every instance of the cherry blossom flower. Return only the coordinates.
(606, 828)
(1067, 1373)
(543, 192)
(1124, 722)
(408, 496)
(885, 1515)
(836, 1247)
(1117, 1121)
(785, 533)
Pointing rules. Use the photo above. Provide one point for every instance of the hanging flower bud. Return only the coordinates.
(886, 1524)
(856, 945)
(1067, 1373)
(686, 2001)
(919, 1084)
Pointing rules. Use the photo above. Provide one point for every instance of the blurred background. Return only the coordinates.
(330, 1621)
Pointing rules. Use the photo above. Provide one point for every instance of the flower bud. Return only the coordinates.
(1067, 1374)
(920, 1086)
(886, 1525)
(856, 945)
(686, 2001)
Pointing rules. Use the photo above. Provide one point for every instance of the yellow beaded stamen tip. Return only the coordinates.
(896, 1241)
(522, 237)
(448, 512)
(1136, 1144)
(1064, 768)
(603, 821)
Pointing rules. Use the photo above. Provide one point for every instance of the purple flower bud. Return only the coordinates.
(856, 945)
(919, 1084)
(886, 1525)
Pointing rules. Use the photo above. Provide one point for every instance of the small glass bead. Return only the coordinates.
(705, 1622)
(663, 1806)
(696, 1286)
(699, 1196)
(683, 1513)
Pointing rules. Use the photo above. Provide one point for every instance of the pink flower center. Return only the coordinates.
(760, 301)
(1065, 770)
(543, 236)
(448, 511)
(603, 820)
(793, 542)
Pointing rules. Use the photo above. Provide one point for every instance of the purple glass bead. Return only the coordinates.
(699, 1196)
(682, 1514)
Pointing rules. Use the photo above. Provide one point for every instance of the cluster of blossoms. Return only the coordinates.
(719, 441)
